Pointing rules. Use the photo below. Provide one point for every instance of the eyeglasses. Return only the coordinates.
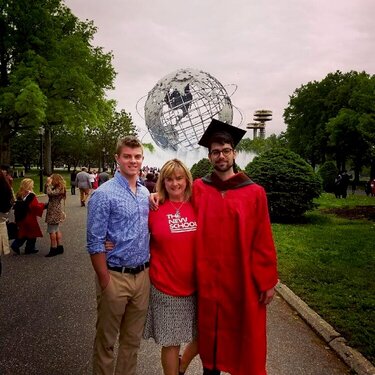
(224, 151)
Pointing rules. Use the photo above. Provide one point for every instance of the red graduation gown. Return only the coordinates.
(236, 259)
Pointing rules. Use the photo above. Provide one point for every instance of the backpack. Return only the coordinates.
(21, 207)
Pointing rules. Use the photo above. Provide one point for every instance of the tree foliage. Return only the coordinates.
(290, 183)
(50, 73)
(202, 168)
(259, 145)
(328, 172)
(334, 119)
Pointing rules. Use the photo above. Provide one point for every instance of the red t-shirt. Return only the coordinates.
(172, 248)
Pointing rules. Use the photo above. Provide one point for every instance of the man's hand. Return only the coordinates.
(267, 296)
(104, 280)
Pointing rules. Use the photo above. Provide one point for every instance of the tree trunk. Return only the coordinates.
(4, 144)
(47, 152)
(372, 168)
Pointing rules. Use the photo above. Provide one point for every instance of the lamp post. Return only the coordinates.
(41, 133)
(103, 150)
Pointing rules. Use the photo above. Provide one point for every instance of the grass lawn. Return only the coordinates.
(330, 263)
(34, 175)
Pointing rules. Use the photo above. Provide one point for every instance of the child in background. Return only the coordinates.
(56, 191)
(26, 211)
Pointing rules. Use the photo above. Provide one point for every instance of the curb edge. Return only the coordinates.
(353, 358)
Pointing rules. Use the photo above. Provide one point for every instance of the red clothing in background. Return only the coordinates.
(29, 226)
(236, 260)
(172, 248)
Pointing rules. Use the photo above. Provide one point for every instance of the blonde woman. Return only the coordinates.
(56, 191)
(26, 212)
(171, 318)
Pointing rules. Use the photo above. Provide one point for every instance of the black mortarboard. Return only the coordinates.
(217, 126)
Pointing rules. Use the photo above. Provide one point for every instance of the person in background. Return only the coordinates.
(95, 183)
(103, 176)
(6, 203)
(6, 171)
(84, 185)
(27, 208)
(171, 318)
(73, 176)
(149, 182)
(118, 211)
(56, 191)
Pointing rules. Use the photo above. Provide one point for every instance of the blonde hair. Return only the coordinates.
(166, 171)
(27, 184)
(57, 181)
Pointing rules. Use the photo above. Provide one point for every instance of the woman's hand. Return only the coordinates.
(108, 245)
(154, 201)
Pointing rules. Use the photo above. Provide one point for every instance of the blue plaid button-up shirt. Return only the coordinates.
(116, 214)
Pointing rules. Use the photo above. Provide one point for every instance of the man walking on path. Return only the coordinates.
(118, 212)
(84, 185)
(103, 176)
(236, 261)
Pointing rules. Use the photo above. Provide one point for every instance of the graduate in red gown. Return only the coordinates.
(236, 261)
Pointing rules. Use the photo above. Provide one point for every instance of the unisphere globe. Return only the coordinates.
(181, 105)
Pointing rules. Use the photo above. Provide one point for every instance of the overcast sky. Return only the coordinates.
(267, 48)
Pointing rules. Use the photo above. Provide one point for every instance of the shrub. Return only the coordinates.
(201, 169)
(290, 183)
(328, 172)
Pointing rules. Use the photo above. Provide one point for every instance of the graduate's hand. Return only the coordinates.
(267, 296)
(154, 201)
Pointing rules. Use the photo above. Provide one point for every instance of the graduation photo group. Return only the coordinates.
(192, 264)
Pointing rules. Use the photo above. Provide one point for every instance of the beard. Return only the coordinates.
(223, 169)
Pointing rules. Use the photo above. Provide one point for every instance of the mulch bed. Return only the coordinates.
(359, 212)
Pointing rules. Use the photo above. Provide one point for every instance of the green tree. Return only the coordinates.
(51, 75)
(259, 145)
(290, 183)
(334, 119)
(328, 172)
(200, 169)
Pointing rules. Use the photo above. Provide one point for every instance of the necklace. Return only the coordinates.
(177, 213)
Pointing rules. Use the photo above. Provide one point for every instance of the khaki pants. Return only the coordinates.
(83, 194)
(122, 307)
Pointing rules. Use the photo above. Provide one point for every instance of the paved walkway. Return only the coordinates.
(47, 310)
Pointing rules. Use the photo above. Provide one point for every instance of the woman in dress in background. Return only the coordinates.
(26, 211)
(56, 191)
(6, 203)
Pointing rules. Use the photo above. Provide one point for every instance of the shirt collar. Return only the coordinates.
(123, 181)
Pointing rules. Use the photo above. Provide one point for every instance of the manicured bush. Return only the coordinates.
(290, 182)
(328, 172)
(201, 169)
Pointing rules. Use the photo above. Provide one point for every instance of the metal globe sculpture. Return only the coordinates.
(181, 105)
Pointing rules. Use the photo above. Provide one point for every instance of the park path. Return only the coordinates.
(47, 310)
